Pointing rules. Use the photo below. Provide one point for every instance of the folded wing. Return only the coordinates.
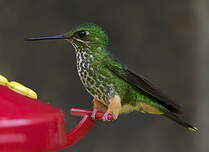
(142, 84)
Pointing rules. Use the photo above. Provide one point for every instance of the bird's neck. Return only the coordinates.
(90, 54)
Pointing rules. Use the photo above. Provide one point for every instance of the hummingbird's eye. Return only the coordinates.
(82, 34)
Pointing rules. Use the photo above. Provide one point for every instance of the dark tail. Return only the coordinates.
(178, 120)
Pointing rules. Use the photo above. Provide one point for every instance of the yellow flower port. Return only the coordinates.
(17, 87)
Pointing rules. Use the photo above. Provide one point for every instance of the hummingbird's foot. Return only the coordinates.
(107, 115)
(93, 115)
(113, 108)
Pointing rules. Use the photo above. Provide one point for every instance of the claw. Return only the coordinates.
(93, 115)
(106, 116)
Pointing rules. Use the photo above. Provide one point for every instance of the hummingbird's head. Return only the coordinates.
(87, 36)
(82, 37)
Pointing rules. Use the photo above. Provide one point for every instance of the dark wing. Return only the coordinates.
(141, 83)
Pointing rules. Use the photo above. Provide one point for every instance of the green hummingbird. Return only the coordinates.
(115, 88)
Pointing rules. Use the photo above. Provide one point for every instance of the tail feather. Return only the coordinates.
(180, 121)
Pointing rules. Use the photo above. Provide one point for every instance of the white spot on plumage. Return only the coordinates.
(96, 85)
(99, 48)
(96, 38)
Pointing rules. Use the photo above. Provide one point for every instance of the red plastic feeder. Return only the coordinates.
(28, 125)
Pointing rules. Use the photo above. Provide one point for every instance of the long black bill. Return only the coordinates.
(45, 38)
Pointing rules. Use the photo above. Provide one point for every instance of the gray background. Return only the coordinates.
(167, 41)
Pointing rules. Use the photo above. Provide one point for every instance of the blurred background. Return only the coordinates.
(167, 41)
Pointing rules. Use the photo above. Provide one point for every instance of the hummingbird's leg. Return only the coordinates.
(113, 108)
(93, 115)
(98, 106)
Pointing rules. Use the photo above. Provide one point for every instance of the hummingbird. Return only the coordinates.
(114, 87)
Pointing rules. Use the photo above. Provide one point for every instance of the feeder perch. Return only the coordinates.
(29, 125)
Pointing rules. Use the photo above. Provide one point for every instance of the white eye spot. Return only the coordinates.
(96, 38)
(99, 48)
(87, 33)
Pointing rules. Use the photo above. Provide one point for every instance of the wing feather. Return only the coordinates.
(141, 83)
